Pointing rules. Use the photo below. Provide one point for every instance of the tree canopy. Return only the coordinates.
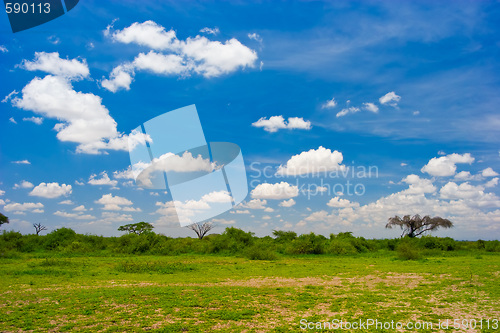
(137, 228)
(416, 225)
(3, 219)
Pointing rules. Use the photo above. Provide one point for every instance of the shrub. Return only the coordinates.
(307, 244)
(256, 252)
(339, 246)
(408, 251)
(59, 238)
(493, 246)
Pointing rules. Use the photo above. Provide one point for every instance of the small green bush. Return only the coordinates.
(408, 251)
(256, 252)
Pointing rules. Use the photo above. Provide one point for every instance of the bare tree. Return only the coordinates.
(39, 228)
(201, 228)
(416, 225)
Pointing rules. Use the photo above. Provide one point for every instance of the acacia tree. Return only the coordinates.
(137, 228)
(416, 225)
(3, 219)
(201, 228)
(39, 228)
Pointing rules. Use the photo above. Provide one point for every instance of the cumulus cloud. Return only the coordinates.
(390, 98)
(82, 117)
(170, 162)
(51, 190)
(255, 36)
(171, 56)
(312, 161)
(35, 120)
(111, 202)
(418, 185)
(370, 107)
(51, 63)
(275, 123)
(17, 208)
(492, 183)
(104, 180)
(346, 111)
(337, 202)
(3, 49)
(287, 203)
(66, 202)
(121, 77)
(446, 165)
(329, 104)
(21, 162)
(74, 215)
(489, 172)
(23, 184)
(275, 191)
(211, 31)
(124, 174)
(254, 204)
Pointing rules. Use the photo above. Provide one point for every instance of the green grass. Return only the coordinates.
(200, 293)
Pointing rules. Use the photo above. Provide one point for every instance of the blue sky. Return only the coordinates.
(409, 89)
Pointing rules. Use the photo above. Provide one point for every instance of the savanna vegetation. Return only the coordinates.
(234, 281)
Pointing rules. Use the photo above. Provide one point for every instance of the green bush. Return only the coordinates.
(407, 250)
(307, 244)
(340, 246)
(256, 252)
(493, 246)
(59, 238)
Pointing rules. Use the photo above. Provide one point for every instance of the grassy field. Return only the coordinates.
(204, 293)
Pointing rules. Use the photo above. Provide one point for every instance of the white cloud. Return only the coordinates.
(274, 123)
(275, 191)
(337, 202)
(171, 163)
(164, 64)
(347, 111)
(51, 190)
(266, 217)
(66, 202)
(2, 202)
(80, 208)
(23, 184)
(121, 77)
(111, 202)
(217, 197)
(83, 118)
(269, 210)
(36, 120)
(238, 211)
(74, 216)
(2, 192)
(287, 203)
(222, 221)
(24, 207)
(211, 31)
(110, 217)
(3, 49)
(51, 63)
(254, 204)
(21, 162)
(464, 175)
(12, 120)
(475, 194)
(489, 172)
(492, 183)
(255, 36)
(370, 107)
(104, 180)
(124, 174)
(53, 40)
(416, 113)
(403, 164)
(390, 98)
(193, 55)
(446, 165)
(418, 185)
(329, 104)
(312, 161)
(147, 34)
